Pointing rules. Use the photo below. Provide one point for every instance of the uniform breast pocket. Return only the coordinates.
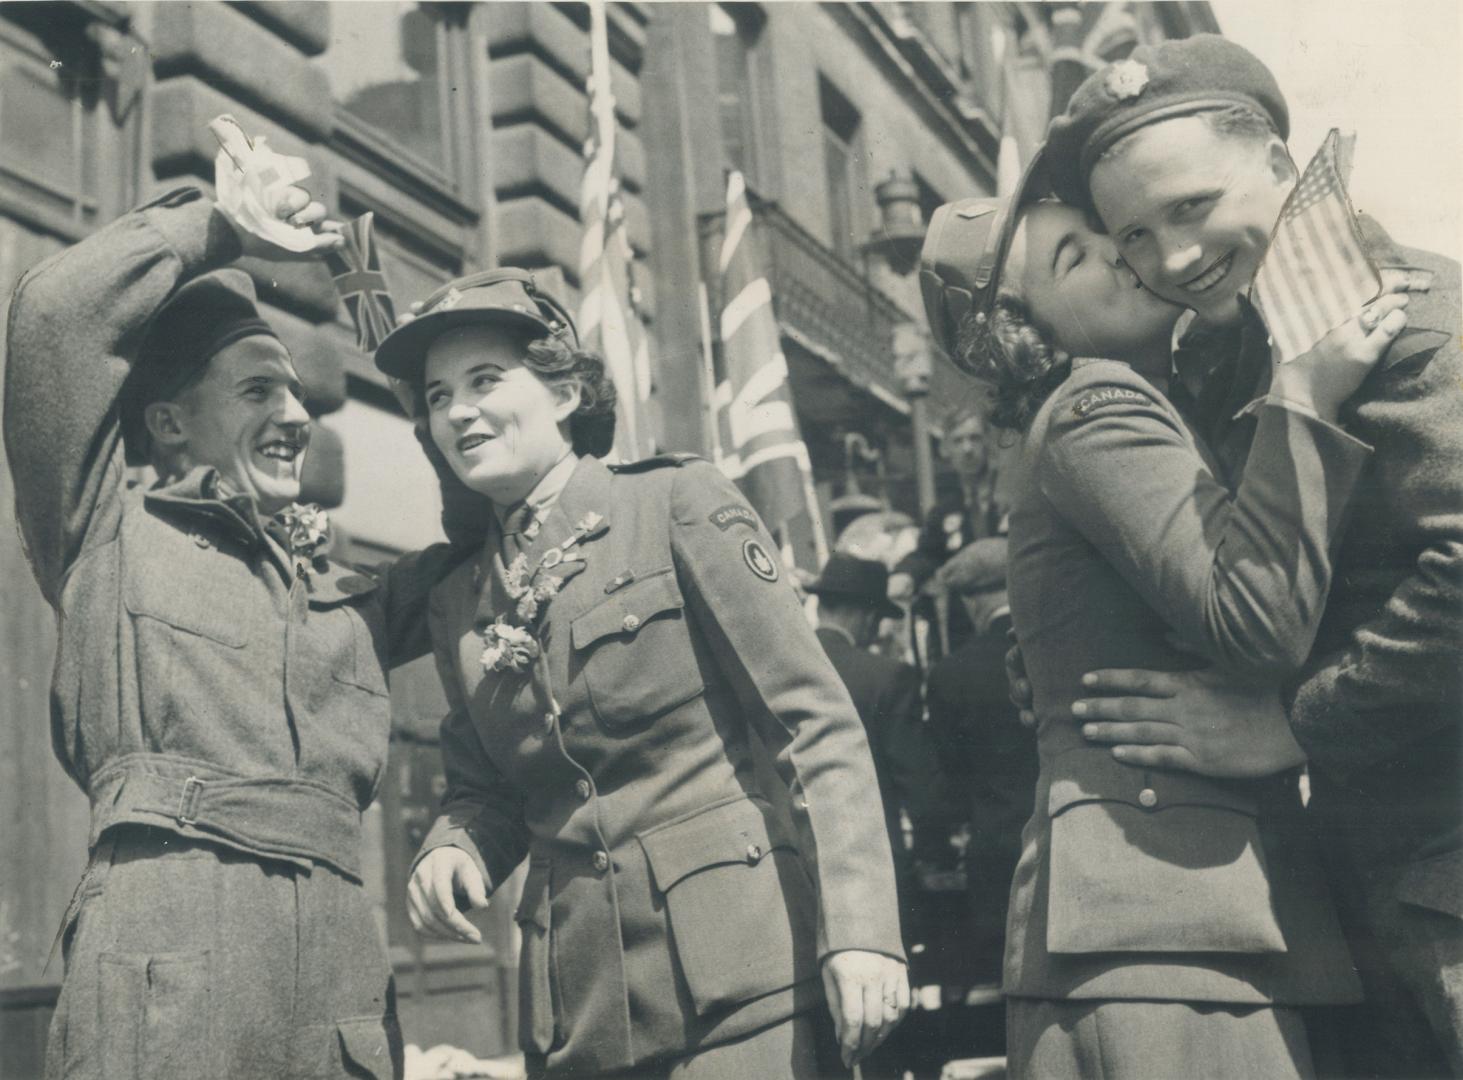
(635, 651)
(740, 904)
(1157, 863)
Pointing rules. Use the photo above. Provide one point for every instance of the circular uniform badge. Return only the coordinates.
(758, 561)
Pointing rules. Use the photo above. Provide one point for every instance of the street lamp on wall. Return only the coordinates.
(901, 228)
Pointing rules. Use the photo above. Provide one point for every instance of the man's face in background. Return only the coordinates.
(965, 448)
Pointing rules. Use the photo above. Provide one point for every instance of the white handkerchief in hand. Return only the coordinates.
(249, 179)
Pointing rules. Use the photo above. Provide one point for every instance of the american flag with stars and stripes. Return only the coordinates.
(1316, 273)
(361, 283)
(609, 317)
(760, 446)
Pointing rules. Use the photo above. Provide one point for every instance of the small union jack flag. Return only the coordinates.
(362, 285)
(1316, 274)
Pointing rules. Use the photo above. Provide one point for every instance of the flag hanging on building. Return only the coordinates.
(361, 283)
(757, 431)
(1316, 273)
(609, 317)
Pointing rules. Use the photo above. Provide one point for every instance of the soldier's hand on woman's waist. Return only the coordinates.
(1205, 722)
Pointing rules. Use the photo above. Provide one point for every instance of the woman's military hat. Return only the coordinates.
(965, 245)
(505, 295)
(1154, 83)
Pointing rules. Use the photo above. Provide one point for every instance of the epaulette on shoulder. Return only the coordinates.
(657, 461)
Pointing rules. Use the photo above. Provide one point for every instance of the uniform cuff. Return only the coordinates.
(1301, 410)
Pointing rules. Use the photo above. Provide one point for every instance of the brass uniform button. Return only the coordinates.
(581, 788)
(631, 623)
(754, 852)
(1148, 797)
(601, 861)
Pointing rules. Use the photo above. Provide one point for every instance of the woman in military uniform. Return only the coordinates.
(607, 657)
(1161, 924)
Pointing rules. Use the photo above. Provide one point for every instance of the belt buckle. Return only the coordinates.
(189, 800)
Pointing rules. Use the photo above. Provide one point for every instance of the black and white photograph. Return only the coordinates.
(759, 540)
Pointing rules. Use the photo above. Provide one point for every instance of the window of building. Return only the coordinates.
(841, 161)
(735, 29)
(394, 68)
(50, 83)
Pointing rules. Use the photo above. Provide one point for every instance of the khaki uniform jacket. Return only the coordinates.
(1379, 705)
(665, 907)
(1127, 553)
(200, 685)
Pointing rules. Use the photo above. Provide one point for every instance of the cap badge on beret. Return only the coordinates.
(1126, 79)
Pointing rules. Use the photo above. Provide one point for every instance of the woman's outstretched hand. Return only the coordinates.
(443, 875)
(868, 994)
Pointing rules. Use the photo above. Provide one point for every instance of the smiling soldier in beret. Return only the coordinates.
(1180, 149)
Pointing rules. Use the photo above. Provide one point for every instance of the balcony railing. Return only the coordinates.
(828, 306)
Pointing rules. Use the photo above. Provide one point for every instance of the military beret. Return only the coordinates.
(1155, 82)
(506, 295)
(965, 245)
(202, 318)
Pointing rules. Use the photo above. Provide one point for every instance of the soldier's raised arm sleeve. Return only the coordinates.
(1242, 581)
(76, 322)
(1399, 677)
(740, 598)
(482, 812)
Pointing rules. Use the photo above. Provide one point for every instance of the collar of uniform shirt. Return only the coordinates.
(546, 492)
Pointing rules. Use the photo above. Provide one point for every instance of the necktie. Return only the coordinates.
(519, 529)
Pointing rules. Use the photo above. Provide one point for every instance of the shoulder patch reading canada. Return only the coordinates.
(1093, 400)
(724, 517)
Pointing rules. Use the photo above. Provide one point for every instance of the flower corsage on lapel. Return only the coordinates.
(305, 529)
(511, 641)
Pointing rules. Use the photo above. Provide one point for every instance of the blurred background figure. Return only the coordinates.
(964, 514)
(974, 728)
(852, 603)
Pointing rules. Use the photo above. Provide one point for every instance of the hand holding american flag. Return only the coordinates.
(1316, 273)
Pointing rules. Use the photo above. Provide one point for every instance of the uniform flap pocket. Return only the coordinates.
(183, 609)
(533, 905)
(628, 609)
(734, 832)
(1095, 776)
(1435, 884)
(366, 1044)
